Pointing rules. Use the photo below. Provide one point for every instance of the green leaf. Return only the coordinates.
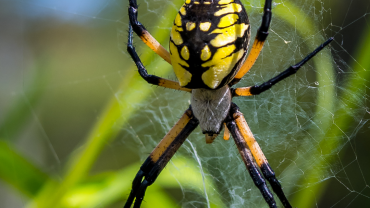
(107, 188)
(19, 172)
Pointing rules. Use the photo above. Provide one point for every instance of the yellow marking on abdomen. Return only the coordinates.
(204, 26)
(165, 143)
(176, 36)
(230, 8)
(205, 53)
(228, 20)
(190, 26)
(183, 10)
(229, 34)
(225, 1)
(178, 21)
(187, 1)
(185, 53)
(182, 74)
(221, 65)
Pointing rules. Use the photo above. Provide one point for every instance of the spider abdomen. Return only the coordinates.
(211, 107)
(208, 43)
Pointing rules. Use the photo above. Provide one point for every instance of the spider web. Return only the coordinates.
(66, 61)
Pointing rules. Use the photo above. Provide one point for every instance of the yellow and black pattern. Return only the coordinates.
(208, 43)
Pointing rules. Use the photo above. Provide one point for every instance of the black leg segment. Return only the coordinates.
(257, 89)
(133, 13)
(269, 175)
(151, 79)
(262, 32)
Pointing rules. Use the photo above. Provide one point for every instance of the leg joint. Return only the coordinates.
(267, 171)
(262, 34)
(136, 25)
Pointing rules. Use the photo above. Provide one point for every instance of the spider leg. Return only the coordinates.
(160, 156)
(257, 89)
(151, 79)
(258, 43)
(226, 133)
(246, 142)
(145, 36)
(246, 154)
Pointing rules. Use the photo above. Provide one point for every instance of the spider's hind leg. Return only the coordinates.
(160, 156)
(248, 146)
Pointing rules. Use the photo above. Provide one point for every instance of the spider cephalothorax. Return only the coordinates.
(208, 45)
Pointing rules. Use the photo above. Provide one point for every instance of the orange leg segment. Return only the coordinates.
(258, 155)
(261, 36)
(172, 85)
(242, 91)
(251, 59)
(150, 41)
(249, 138)
(170, 137)
(226, 133)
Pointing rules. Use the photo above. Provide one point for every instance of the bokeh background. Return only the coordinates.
(76, 120)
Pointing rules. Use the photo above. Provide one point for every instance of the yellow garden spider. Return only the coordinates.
(208, 52)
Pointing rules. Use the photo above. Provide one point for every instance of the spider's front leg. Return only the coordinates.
(160, 156)
(258, 43)
(145, 36)
(151, 79)
(248, 146)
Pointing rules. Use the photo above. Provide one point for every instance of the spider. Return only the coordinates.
(208, 52)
